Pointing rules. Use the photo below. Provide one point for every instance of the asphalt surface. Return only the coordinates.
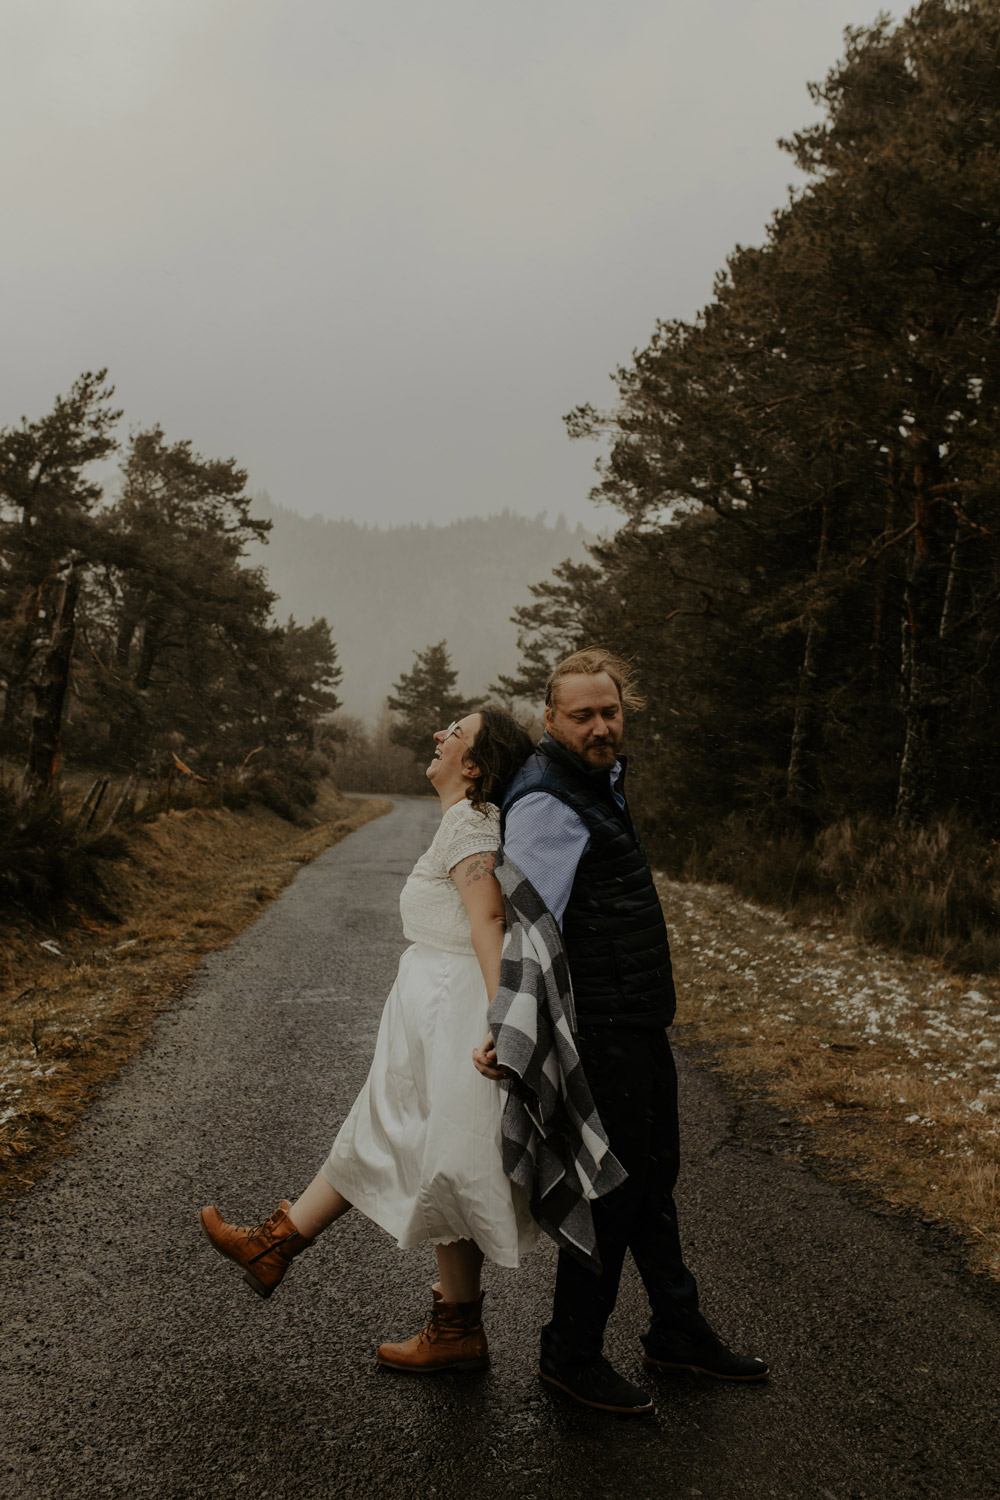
(134, 1362)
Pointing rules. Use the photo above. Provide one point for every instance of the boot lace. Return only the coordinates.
(266, 1232)
(430, 1332)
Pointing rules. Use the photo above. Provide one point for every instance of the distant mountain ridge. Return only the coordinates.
(387, 593)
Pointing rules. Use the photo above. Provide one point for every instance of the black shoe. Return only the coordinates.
(593, 1382)
(700, 1349)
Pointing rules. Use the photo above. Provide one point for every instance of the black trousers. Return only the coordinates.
(634, 1083)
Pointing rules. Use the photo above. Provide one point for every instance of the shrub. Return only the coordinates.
(933, 890)
(925, 889)
(368, 761)
(287, 781)
(774, 867)
(47, 865)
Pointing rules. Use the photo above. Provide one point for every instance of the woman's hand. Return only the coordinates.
(485, 1059)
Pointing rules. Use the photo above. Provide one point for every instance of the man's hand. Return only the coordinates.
(485, 1059)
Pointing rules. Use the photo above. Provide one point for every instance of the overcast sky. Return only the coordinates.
(376, 249)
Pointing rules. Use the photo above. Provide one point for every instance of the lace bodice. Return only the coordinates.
(430, 904)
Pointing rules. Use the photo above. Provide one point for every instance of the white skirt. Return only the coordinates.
(419, 1152)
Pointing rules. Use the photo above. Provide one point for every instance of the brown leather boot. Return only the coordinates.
(265, 1252)
(454, 1339)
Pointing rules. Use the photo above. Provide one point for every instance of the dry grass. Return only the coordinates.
(70, 1018)
(891, 1062)
(932, 891)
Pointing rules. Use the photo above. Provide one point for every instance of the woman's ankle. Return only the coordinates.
(316, 1208)
(459, 1267)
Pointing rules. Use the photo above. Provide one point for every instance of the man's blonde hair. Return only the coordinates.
(589, 662)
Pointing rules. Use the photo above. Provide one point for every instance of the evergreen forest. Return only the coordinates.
(135, 639)
(807, 566)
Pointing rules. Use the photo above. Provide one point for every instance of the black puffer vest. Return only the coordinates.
(613, 927)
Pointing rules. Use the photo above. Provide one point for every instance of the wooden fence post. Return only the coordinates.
(91, 803)
(125, 800)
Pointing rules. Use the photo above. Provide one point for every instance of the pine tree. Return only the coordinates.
(47, 534)
(426, 699)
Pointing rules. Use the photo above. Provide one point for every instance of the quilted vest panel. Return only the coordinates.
(613, 927)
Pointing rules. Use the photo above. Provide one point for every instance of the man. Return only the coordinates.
(566, 826)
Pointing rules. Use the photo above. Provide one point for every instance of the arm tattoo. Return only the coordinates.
(478, 865)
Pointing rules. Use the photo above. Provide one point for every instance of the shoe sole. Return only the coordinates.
(248, 1276)
(660, 1364)
(458, 1364)
(625, 1411)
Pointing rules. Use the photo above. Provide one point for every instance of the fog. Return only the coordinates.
(376, 251)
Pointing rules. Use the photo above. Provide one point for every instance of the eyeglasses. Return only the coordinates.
(452, 729)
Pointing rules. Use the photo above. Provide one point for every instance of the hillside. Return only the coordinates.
(388, 593)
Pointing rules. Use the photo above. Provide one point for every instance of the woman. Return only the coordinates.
(419, 1152)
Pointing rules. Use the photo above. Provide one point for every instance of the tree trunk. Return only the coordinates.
(50, 693)
(150, 649)
(884, 572)
(798, 787)
(20, 665)
(951, 607)
(922, 707)
(126, 634)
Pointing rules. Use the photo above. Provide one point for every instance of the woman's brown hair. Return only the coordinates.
(500, 749)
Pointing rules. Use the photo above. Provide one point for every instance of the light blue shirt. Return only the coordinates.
(546, 839)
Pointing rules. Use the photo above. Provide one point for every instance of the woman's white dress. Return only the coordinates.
(420, 1150)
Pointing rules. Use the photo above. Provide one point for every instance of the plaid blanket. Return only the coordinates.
(553, 1142)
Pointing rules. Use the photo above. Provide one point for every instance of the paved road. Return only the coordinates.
(135, 1363)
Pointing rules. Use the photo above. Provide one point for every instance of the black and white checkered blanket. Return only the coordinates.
(554, 1144)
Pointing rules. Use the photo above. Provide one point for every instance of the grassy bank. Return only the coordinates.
(931, 890)
(77, 1001)
(886, 1064)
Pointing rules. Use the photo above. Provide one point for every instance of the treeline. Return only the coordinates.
(808, 566)
(133, 634)
(387, 591)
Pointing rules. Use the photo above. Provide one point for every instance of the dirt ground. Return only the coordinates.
(887, 1065)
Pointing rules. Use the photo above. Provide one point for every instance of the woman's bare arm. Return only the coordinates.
(483, 901)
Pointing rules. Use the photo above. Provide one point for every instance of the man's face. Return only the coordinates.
(587, 718)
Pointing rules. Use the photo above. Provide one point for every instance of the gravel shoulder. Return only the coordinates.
(135, 1362)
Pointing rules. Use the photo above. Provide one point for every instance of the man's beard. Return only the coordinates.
(598, 755)
(601, 756)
